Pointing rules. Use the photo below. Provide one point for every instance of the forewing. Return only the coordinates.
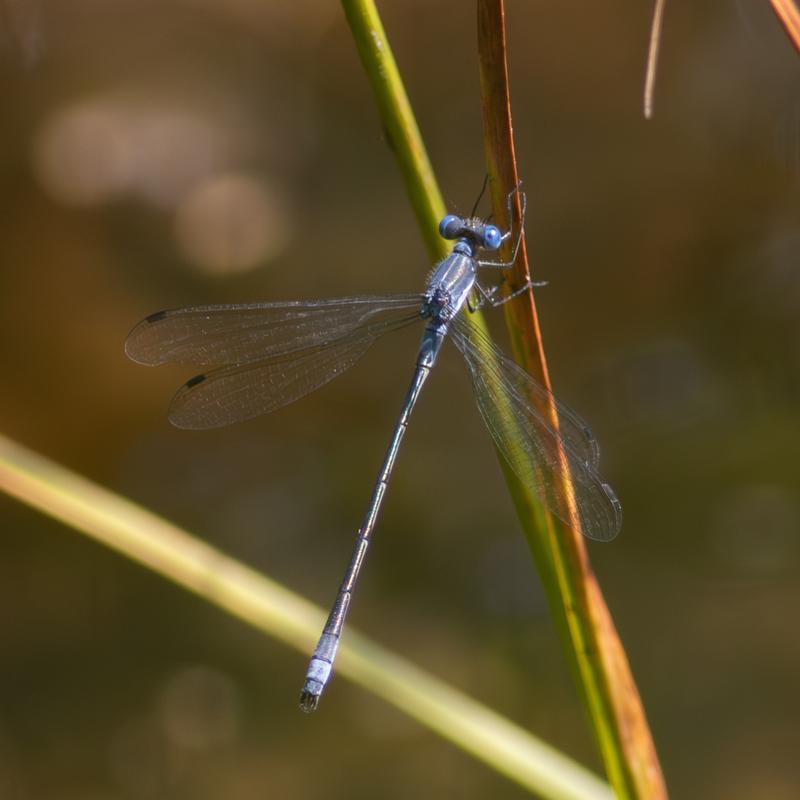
(239, 334)
(530, 444)
(241, 391)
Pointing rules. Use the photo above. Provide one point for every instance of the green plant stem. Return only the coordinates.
(263, 603)
(398, 120)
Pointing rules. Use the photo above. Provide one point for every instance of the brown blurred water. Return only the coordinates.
(164, 154)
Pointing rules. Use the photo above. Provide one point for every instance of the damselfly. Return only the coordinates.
(267, 355)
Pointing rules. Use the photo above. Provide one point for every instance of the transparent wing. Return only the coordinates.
(573, 430)
(533, 449)
(238, 334)
(241, 391)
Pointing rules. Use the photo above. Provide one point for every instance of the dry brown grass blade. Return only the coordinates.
(789, 16)
(787, 13)
(588, 631)
(652, 58)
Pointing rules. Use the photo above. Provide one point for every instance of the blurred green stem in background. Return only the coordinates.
(266, 605)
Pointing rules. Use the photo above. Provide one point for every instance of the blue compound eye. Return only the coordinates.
(450, 227)
(492, 238)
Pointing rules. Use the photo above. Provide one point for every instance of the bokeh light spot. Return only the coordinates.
(82, 155)
(232, 223)
(103, 148)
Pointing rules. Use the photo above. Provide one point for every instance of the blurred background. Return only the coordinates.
(158, 154)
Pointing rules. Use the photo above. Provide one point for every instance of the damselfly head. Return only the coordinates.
(473, 228)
